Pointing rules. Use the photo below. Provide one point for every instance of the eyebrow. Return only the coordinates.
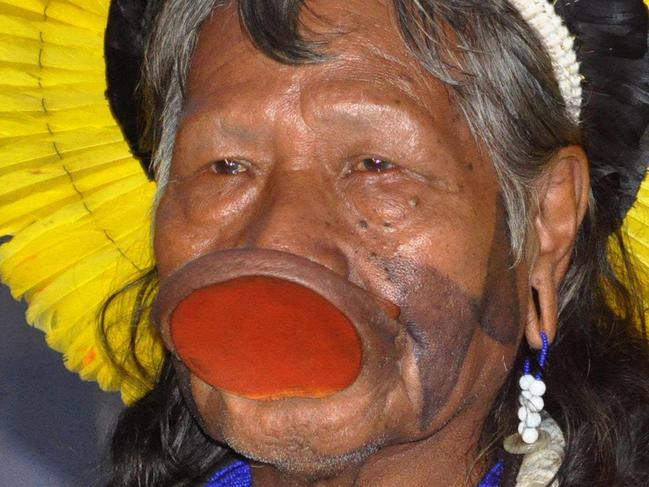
(226, 128)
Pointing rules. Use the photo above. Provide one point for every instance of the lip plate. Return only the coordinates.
(372, 316)
(271, 339)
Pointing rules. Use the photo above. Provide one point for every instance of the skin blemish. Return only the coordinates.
(413, 202)
(363, 224)
(388, 273)
(387, 224)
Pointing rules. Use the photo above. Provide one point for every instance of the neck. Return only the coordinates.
(448, 457)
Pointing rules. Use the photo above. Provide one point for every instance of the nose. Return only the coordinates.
(296, 214)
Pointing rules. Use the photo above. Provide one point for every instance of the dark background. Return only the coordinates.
(53, 426)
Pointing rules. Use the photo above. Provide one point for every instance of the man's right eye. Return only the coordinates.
(228, 167)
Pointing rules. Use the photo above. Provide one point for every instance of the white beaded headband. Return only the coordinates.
(558, 42)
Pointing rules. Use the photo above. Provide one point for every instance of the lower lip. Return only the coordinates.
(266, 338)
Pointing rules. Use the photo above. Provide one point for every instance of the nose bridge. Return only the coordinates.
(295, 215)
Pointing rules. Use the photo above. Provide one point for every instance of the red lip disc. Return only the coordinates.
(266, 338)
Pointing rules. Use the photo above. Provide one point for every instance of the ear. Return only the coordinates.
(563, 195)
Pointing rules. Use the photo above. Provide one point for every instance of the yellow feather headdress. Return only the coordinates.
(75, 202)
(72, 197)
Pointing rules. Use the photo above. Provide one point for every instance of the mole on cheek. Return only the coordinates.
(388, 274)
(362, 224)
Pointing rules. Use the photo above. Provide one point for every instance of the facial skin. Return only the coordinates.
(424, 229)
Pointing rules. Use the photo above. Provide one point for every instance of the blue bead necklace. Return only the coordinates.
(238, 474)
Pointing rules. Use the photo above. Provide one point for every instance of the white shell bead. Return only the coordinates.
(525, 381)
(514, 444)
(535, 404)
(522, 413)
(537, 387)
(533, 420)
(530, 435)
(559, 44)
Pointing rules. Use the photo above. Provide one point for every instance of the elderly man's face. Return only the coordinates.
(361, 163)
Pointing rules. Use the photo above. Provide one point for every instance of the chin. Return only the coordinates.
(299, 459)
(310, 438)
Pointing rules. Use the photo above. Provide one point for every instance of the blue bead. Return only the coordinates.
(236, 474)
(493, 477)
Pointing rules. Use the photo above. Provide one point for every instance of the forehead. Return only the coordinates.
(366, 61)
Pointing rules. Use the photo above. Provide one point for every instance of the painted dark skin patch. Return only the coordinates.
(499, 308)
(442, 330)
(445, 327)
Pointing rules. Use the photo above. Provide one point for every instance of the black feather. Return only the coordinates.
(611, 39)
(124, 42)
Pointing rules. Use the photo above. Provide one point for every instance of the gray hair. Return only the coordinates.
(492, 61)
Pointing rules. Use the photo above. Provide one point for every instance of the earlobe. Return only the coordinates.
(542, 311)
(563, 196)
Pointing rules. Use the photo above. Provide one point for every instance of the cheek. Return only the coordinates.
(460, 351)
(381, 207)
(199, 214)
(452, 275)
(403, 219)
(382, 203)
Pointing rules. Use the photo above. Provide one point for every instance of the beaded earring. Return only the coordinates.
(531, 396)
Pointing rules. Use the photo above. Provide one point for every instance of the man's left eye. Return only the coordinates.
(374, 164)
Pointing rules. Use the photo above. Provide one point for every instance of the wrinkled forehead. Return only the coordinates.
(360, 42)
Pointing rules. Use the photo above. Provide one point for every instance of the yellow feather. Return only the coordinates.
(78, 239)
(72, 197)
(29, 151)
(31, 123)
(51, 99)
(50, 32)
(33, 52)
(35, 6)
(30, 76)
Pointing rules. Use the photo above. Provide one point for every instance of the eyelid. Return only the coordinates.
(243, 166)
(359, 165)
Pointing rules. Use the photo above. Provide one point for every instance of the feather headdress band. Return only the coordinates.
(65, 166)
(558, 42)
